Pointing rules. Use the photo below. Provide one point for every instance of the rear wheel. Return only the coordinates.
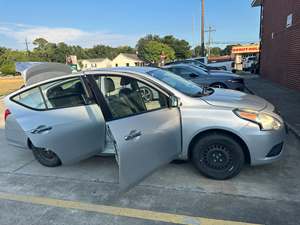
(46, 157)
(218, 156)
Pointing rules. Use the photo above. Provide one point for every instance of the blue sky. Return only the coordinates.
(121, 22)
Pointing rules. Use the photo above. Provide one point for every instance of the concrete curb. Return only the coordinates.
(291, 128)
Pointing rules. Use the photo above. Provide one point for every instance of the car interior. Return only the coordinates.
(124, 100)
(67, 94)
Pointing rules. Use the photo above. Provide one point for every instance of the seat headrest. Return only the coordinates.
(125, 81)
(54, 92)
(109, 85)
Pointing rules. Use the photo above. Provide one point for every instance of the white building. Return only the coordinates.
(89, 64)
(125, 59)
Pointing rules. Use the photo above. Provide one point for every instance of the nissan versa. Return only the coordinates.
(146, 116)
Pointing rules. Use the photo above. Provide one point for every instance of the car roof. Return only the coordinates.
(134, 69)
(178, 65)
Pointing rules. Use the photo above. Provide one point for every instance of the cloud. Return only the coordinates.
(20, 32)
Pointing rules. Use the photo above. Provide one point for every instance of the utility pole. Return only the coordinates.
(210, 31)
(193, 34)
(27, 48)
(202, 30)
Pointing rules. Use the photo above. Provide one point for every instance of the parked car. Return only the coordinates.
(201, 76)
(69, 118)
(196, 63)
(226, 65)
(249, 62)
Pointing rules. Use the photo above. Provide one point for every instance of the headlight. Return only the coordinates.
(264, 120)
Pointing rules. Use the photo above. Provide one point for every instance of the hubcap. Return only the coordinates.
(217, 157)
(48, 154)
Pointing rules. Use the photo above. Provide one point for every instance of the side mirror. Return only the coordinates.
(173, 101)
(193, 75)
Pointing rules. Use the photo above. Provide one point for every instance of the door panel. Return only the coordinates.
(145, 142)
(72, 133)
(60, 116)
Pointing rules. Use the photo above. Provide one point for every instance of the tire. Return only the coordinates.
(46, 157)
(218, 156)
(219, 85)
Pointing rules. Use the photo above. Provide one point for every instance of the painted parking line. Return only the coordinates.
(118, 211)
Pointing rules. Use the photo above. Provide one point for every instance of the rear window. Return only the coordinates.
(31, 98)
(64, 93)
(57, 94)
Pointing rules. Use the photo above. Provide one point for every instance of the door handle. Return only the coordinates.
(133, 134)
(40, 129)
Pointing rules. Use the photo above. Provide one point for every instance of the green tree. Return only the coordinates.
(215, 51)
(9, 58)
(227, 50)
(197, 51)
(2, 50)
(181, 47)
(153, 50)
(140, 46)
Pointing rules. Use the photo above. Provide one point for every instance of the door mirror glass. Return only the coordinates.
(173, 101)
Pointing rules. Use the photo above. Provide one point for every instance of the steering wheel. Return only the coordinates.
(146, 93)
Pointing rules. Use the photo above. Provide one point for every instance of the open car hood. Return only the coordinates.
(34, 72)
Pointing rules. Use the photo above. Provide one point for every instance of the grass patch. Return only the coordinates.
(10, 84)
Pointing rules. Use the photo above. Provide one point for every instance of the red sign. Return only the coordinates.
(245, 49)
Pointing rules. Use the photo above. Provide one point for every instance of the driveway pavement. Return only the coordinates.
(87, 193)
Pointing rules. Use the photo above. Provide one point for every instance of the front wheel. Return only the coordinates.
(46, 157)
(218, 156)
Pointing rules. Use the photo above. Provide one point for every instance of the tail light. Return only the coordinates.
(6, 114)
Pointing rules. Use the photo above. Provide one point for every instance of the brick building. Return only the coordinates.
(280, 41)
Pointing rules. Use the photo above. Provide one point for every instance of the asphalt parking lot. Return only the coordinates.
(87, 193)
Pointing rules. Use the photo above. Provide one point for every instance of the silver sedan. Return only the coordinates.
(146, 117)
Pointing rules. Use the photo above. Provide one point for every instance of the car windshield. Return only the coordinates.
(177, 82)
(200, 70)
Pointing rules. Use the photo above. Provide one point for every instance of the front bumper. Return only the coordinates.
(264, 146)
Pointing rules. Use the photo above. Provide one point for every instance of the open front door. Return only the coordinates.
(145, 142)
(145, 130)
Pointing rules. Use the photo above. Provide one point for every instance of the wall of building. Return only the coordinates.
(92, 64)
(280, 58)
(121, 61)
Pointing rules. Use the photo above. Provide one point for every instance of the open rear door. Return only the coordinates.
(70, 126)
(144, 143)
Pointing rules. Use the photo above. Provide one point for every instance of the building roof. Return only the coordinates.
(256, 3)
(132, 56)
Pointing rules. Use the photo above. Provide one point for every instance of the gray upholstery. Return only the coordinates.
(109, 85)
(125, 81)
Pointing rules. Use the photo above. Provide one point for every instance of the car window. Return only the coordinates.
(177, 82)
(127, 96)
(184, 72)
(31, 98)
(64, 93)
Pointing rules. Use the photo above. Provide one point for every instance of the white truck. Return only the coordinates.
(226, 65)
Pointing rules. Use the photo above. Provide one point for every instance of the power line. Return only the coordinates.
(209, 31)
